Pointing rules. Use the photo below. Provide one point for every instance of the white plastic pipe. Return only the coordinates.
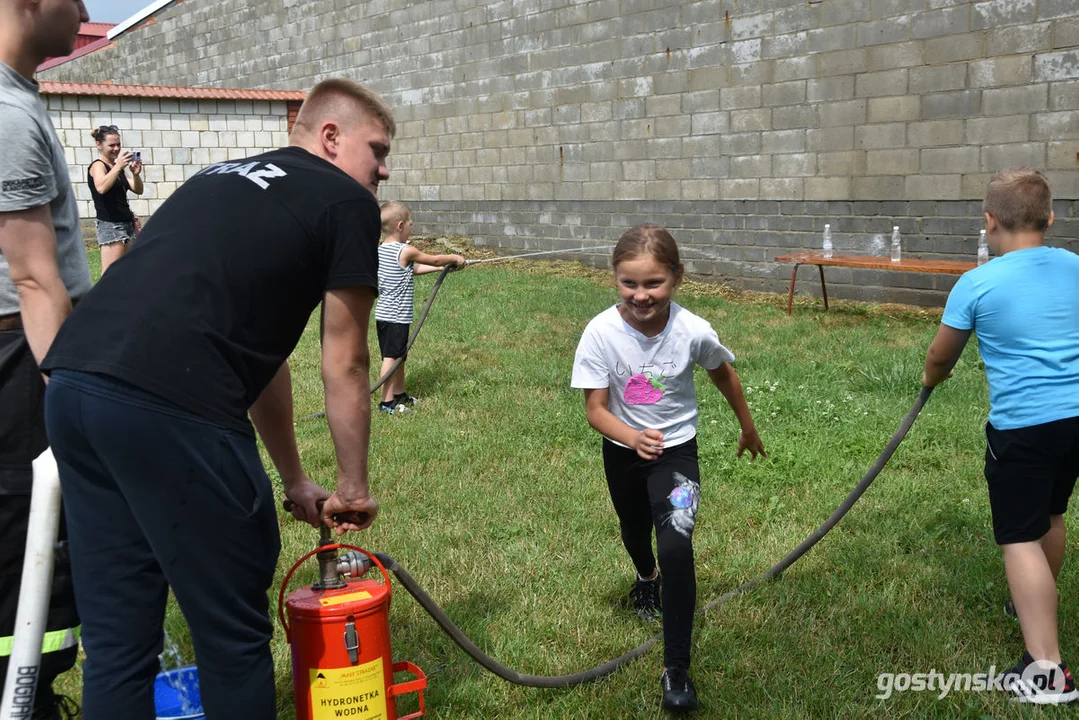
(32, 612)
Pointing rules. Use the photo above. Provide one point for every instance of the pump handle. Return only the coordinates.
(357, 518)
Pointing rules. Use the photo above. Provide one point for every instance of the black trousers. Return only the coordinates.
(660, 494)
(159, 498)
(22, 438)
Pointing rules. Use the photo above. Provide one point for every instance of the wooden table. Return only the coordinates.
(867, 262)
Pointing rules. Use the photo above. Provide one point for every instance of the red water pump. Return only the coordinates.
(339, 630)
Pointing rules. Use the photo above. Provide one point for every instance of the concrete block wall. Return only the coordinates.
(177, 138)
(736, 241)
(511, 105)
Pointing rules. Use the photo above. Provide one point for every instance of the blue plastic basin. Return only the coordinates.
(168, 700)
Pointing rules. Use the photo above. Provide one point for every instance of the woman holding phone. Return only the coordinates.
(108, 187)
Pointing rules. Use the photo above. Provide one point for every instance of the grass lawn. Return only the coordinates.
(493, 497)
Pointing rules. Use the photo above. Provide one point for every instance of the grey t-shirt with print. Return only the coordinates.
(33, 172)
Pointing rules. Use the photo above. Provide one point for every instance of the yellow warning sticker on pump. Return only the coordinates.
(358, 693)
(339, 599)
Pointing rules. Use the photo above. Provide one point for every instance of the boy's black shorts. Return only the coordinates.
(392, 338)
(1031, 473)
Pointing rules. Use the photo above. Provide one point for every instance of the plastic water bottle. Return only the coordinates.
(897, 251)
(827, 241)
(983, 249)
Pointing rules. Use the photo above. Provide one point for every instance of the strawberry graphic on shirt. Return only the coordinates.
(643, 389)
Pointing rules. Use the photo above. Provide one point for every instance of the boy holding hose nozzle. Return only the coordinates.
(398, 262)
(1024, 307)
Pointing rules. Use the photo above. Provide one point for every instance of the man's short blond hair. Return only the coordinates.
(1019, 199)
(337, 97)
(393, 213)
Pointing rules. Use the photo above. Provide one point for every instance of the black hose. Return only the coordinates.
(411, 339)
(488, 662)
(562, 681)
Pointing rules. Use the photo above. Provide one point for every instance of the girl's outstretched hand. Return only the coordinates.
(750, 440)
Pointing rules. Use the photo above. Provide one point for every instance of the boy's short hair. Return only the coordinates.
(1019, 199)
(327, 96)
(393, 213)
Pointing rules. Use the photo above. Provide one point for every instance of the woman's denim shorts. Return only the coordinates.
(109, 232)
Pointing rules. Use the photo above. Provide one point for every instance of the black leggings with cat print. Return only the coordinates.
(661, 494)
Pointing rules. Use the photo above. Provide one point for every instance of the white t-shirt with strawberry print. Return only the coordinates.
(649, 379)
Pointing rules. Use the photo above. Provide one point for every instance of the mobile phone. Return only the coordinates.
(138, 156)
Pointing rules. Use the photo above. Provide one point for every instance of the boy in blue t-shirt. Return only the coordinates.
(1024, 307)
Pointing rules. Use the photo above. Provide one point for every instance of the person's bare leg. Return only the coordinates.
(387, 387)
(397, 381)
(1034, 593)
(1054, 542)
(110, 253)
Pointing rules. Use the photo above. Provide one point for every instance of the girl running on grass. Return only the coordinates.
(635, 363)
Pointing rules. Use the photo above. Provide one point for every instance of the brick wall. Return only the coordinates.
(516, 110)
(177, 138)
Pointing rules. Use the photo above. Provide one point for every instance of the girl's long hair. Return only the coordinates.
(648, 239)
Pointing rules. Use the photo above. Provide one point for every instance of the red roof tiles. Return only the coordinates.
(96, 29)
(168, 93)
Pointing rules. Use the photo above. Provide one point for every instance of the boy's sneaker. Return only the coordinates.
(393, 408)
(1016, 671)
(1041, 682)
(678, 690)
(644, 596)
(405, 399)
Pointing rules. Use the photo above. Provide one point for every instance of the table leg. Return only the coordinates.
(790, 297)
(823, 289)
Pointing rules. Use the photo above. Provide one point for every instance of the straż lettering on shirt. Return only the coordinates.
(258, 173)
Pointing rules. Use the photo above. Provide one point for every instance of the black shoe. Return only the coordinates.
(644, 596)
(1042, 682)
(1016, 671)
(678, 690)
(1009, 609)
(405, 399)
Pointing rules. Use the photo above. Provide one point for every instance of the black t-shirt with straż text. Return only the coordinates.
(218, 289)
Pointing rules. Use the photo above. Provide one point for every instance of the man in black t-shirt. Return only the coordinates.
(153, 377)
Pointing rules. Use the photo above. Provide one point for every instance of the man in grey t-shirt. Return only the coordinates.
(42, 268)
(34, 176)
